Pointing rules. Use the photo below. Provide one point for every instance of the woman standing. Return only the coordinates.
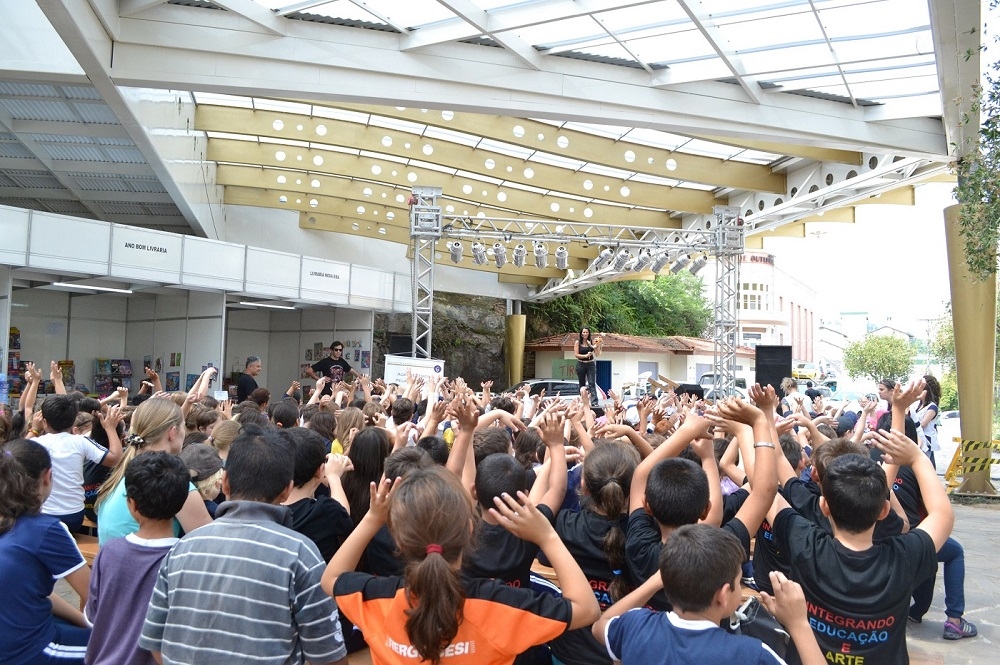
(586, 349)
(926, 415)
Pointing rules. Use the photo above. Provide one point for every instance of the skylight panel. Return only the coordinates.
(341, 9)
(870, 48)
(710, 149)
(478, 176)
(655, 14)
(784, 59)
(885, 16)
(866, 76)
(556, 160)
(699, 70)
(340, 114)
(607, 131)
(757, 157)
(233, 101)
(763, 33)
(654, 180)
(262, 104)
(611, 172)
(561, 33)
(399, 125)
(655, 139)
(411, 13)
(674, 47)
(505, 149)
(454, 137)
(896, 87)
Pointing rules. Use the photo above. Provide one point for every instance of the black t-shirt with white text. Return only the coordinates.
(856, 601)
(583, 533)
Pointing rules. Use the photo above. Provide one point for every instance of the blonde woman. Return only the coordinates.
(793, 399)
(223, 436)
(157, 424)
(348, 419)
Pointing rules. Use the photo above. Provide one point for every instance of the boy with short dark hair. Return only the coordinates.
(125, 569)
(669, 492)
(700, 570)
(247, 586)
(859, 590)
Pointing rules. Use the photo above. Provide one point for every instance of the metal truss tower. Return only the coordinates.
(425, 231)
(728, 250)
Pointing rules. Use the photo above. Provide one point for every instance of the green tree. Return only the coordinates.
(667, 305)
(879, 357)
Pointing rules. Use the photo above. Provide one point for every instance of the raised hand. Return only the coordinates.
(522, 519)
(381, 498)
(111, 418)
(551, 428)
(337, 465)
(896, 447)
(764, 397)
(904, 397)
(788, 604)
(735, 409)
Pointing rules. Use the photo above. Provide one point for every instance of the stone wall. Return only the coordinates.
(468, 335)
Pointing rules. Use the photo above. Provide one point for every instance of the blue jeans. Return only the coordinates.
(952, 555)
(586, 373)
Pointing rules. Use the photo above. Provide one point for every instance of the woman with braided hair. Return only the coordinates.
(157, 424)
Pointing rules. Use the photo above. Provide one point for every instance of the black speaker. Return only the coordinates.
(400, 344)
(773, 363)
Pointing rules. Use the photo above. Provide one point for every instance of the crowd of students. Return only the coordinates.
(408, 520)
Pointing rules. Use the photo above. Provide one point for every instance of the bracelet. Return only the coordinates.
(34, 432)
(763, 444)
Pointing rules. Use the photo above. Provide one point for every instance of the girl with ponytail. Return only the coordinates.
(36, 625)
(595, 537)
(432, 612)
(157, 424)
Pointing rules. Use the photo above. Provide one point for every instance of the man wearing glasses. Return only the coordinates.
(333, 367)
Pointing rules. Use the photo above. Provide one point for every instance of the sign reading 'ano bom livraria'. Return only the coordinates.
(144, 254)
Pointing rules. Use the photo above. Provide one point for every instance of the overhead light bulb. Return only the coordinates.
(478, 253)
(622, 260)
(456, 251)
(642, 260)
(541, 253)
(520, 252)
(680, 265)
(660, 262)
(603, 258)
(562, 257)
(499, 254)
(698, 264)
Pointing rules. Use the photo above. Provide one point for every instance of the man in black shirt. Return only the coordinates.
(246, 383)
(333, 367)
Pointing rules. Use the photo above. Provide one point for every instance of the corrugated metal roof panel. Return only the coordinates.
(96, 113)
(74, 152)
(39, 181)
(34, 89)
(164, 209)
(62, 138)
(98, 184)
(80, 92)
(15, 150)
(125, 155)
(112, 208)
(4, 136)
(22, 109)
(146, 186)
(112, 141)
(69, 208)
(6, 182)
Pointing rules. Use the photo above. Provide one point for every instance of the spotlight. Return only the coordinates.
(478, 253)
(680, 265)
(642, 260)
(661, 262)
(698, 264)
(519, 254)
(603, 258)
(499, 254)
(621, 260)
(562, 257)
(455, 247)
(541, 253)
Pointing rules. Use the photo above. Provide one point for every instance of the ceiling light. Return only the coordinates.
(478, 253)
(642, 260)
(84, 287)
(562, 257)
(499, 254)
(698, 264)
(661, 262)
(541, 255)
(264, 304)
(603, 258)
(520, 252)
(622, 260)
(680, 265)
(455, 247)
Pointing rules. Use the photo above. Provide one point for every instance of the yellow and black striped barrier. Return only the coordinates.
(962, 464)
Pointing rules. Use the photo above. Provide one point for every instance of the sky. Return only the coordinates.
(891, 262)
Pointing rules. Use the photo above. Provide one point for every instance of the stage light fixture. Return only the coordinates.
(541, 252)
(478, 253)
(455, 247)
(642, 260)
(499, 254)
(660, 262)
(680, 265)
(603, 258)
(520, 252)
(698, 264)
(562, 257)
(622, 260)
